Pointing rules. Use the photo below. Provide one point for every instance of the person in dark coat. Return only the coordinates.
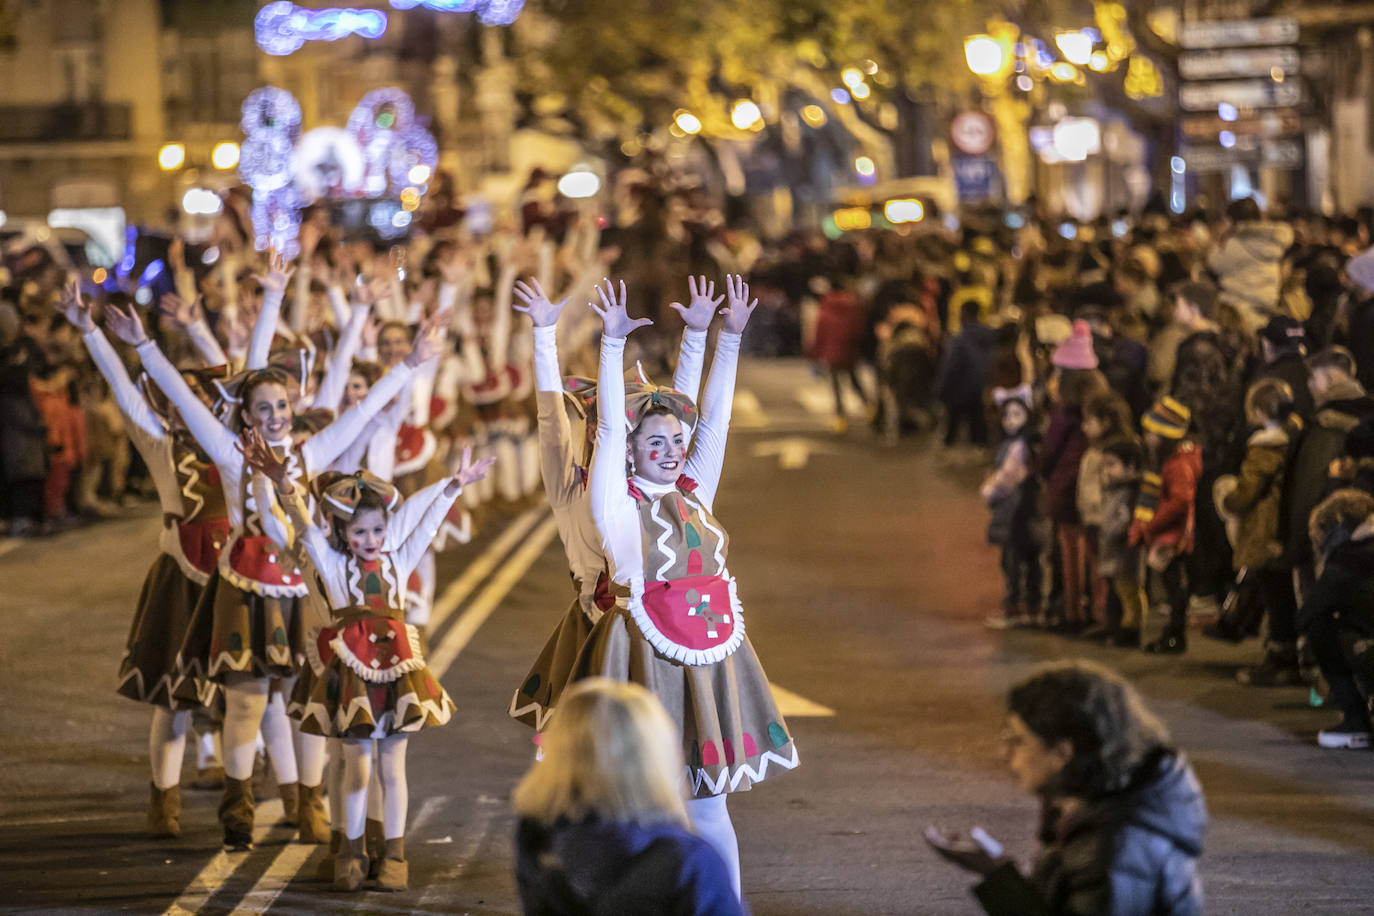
(1123, 814)
(603, 826)
(964, 377)
(23, 435)
(1338, 617)
(1283, 347)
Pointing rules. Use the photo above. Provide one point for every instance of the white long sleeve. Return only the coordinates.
(408, 555)
(691, 357)
(612, 507)
(130, 400)
(274, 522)
(713, 427)
(206, 344)
(320, 450)
(557, 456)
(264, 329)
(217, 441)
(340, 364)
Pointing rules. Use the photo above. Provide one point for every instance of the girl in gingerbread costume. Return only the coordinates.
(245, 631)
(682, 633)
(564, 457)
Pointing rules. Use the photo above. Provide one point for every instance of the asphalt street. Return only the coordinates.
(867, 579)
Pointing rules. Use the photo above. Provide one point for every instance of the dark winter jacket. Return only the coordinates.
(1255, 500)
(1360, 339)
(1116, 558)
(1305, 482)
(967, 366)
(607, 868)
(1209, 379)
(1130, 853)
(1060, 458)
(1290, 367)
(1345, 589)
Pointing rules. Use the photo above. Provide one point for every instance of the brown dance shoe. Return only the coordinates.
(164, 811)
(314, 820)
(350, 868)
(290, 803)
(236, 813)
(325, 872)
(394, 875)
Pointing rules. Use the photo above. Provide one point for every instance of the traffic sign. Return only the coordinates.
(1282, 122)
(1238, 33)
(1207, 65)
(1262, 93)
(1280, 154)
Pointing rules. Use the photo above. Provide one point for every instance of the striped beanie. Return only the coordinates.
(1167, 418)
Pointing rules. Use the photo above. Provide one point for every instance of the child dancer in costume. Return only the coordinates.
(374, 681)
(563, 463)
(682, 634)
(195, 527)
(246, 629)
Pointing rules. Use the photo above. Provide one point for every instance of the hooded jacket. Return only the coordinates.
(1249, 266)
(1130, 853)
(1339, 411)
(1174, 517)
(597, 867)
(1255, 500)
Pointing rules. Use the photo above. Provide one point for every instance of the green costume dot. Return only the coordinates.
(278, 637)
(236, 642)
(531, 686)
(776, 734)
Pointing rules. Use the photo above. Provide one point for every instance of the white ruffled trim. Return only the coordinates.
(243, 583)
(374, 675)
(421, 460)
(729, 781)
(669, 649)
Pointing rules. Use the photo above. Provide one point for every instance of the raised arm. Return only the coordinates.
(708, 440)
(188, 315)
(419, 539)
(207, 429)
(607, 482)
(557, 455)
(265, 328)
(321, 449)
(341, 360)
(130, 400)
(697, 316)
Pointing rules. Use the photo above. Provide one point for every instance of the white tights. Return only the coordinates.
(712, 822)
(335, 775)
(167, 745)
(357, 775)
(277, 735)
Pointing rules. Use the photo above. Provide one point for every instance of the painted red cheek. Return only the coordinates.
(653, 454)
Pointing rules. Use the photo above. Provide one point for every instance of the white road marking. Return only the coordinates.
(9, 544)
(466, 626)
(747, 412)
(428, 808)
(267, 824)
(458, 590)
(487, 810)
(268, 888)
(795, 706)
(793, 451)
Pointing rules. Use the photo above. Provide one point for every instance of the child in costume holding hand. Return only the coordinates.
(374, 681)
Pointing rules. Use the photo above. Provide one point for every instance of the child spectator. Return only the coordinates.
(1118, 561)
(1106, 416)
(1272, 410)
(1075, 379)
(1012, 495)
(1164, 515)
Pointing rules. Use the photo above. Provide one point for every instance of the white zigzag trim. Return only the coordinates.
(163, 683)
(720, 538)
(669, 649)
(669, 555)
(698, 776)
(542, 714)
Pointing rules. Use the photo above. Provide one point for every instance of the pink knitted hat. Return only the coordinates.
(1077, 351)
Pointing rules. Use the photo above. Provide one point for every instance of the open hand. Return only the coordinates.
(278, 274)
(429, 340)
(183, 313)
(127, 326)
(978, 852)
(703, 305)
(261, 457)
(739, 310)
(535, 303)
(615, 320)
(75, 308)
(471, 473)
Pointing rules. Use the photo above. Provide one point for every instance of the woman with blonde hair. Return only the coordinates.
(603, 824)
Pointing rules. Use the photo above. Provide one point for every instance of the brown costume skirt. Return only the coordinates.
(166, 604)
(733, 735)
(233, 630)
(534, 702)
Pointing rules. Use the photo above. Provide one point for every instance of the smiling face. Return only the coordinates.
(658, 449)
(269, 410)
(355, 390)
(366, 533)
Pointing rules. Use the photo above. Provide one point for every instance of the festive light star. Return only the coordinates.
(283, 28)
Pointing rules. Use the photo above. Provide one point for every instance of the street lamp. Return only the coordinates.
(746, 115)
(225, 155)
(984, 54)
(171, 157)
(1076, 46)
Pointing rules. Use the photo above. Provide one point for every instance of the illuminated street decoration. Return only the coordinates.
(271, 122)
(328, 162)
(392, 141)
(283, 28)
(490, 12)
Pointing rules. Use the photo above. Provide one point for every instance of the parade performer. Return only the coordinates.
(682, 634)
(564, 456)
(246, 630)
(195, 527)
(370, 680)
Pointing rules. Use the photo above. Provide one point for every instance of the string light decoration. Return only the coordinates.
(393, 141)
(489, 12)
(271, 123)
(282, 28)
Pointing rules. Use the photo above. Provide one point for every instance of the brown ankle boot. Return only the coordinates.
(236, 813)
(375, 837)
(326, 870)
(164, 811)
(350, 868)
(394, 875)
(290, 803)
(314, 821)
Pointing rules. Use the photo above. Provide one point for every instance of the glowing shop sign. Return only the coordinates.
(283, 28)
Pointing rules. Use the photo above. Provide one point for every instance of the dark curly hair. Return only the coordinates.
(1101, 716)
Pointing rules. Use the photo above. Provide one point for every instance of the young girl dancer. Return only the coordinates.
(682, 634)
(373, 681)
(246, 629)
(195, 527)
(563, 463)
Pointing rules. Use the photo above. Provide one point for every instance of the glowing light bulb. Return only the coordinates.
(687, 122)
(864, 166)
(745, 115)
(983, 54)
(904, 211)
(813, 115)
(861, 91)
(852, 77)
(579, 184)
(225, 155)
(1077, 47)
(171, 156)
(419, 174)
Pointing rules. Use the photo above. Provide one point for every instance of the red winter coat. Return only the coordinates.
(838, 327)
(1173, 522)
